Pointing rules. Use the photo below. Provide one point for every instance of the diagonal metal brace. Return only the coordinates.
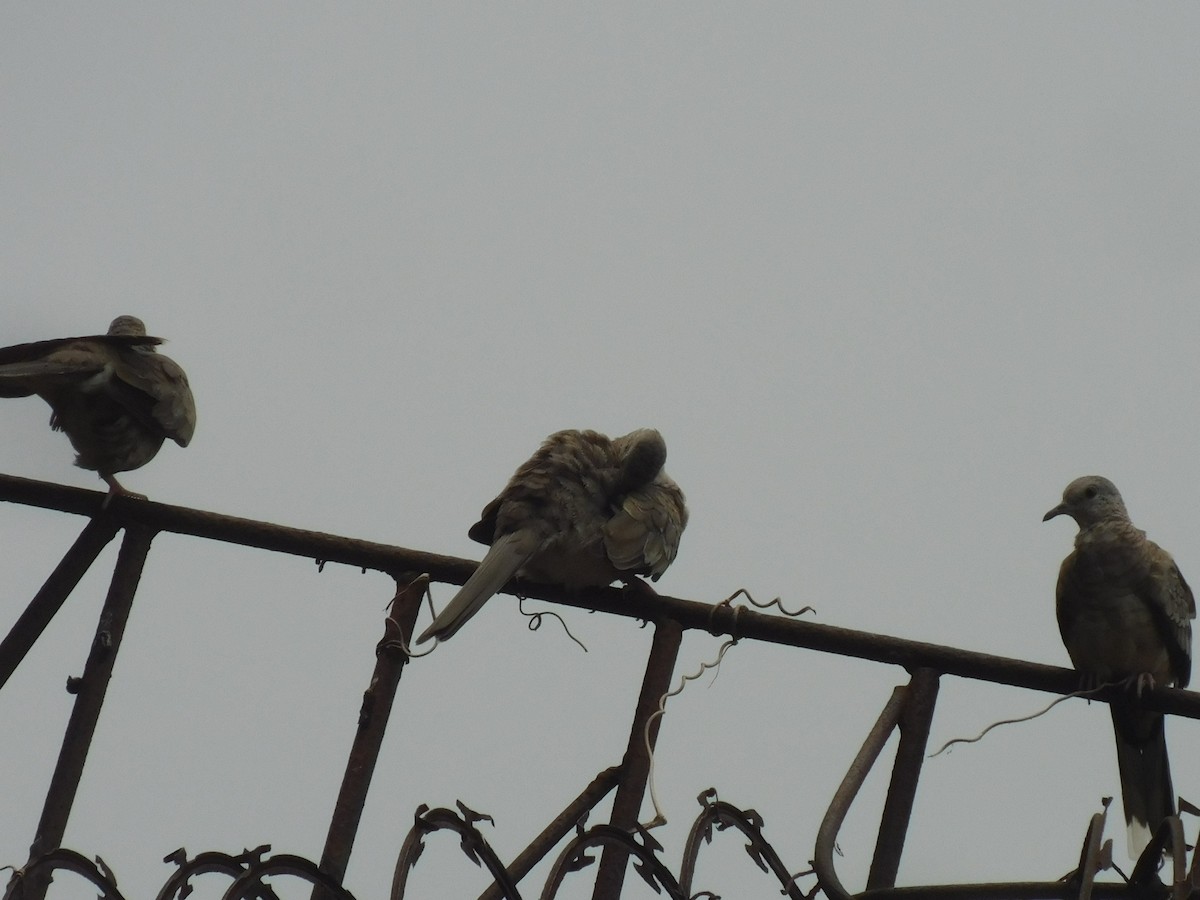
(90, 692)
(53, 594)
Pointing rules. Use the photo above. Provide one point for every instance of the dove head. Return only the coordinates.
(644, 453)
(130, 325)
(1089, 500)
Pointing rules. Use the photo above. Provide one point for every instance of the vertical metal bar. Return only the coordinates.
(390, 659)
(635, 767)
(50, 598)
(90, 690)
(920, 700)
(557, 829)
(847, 791)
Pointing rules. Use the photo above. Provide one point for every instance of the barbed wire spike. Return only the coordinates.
(471, 816)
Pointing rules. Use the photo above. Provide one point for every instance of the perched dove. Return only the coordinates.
(1125, 614)
(583, 511)
(116, 398)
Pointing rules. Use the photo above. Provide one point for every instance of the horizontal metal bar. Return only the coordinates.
(231, 529)
(739, 622)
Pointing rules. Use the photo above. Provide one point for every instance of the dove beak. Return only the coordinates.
(1059, 510)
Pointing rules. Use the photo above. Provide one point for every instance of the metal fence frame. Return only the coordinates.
(909, 710)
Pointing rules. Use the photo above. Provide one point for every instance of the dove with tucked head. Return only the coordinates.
(583, 511)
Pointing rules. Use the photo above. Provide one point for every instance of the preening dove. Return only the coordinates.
(583, 511)
(1124, 612)
(116, 398)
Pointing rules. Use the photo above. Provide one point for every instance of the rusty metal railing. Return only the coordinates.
(909, 710)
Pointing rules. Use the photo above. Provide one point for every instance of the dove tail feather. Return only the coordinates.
(499, 564)
(1146, 790)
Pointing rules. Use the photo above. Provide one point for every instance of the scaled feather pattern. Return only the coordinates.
(583, 511)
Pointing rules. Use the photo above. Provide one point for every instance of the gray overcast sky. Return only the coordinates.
(886, 277)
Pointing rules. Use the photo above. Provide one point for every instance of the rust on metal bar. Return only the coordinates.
(635, 767)
(89, 699)
(377, 701)
(541, 845)
(848, 790)
(50, 598)
(735, 621)
(231, 529)
(919, 703)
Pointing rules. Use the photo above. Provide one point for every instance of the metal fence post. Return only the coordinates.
(919, 701)
(635, 768)
(377, 701)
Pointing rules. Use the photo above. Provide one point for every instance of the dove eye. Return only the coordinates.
(1091, 491)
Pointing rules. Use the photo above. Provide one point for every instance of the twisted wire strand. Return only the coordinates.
(399, 642)
(1089, 692)
(659, 817)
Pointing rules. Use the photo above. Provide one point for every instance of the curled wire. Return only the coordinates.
(727, 603)
(398, 642)
(535, 621)
(659, 818)
(777, 602)
(1089, 692)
